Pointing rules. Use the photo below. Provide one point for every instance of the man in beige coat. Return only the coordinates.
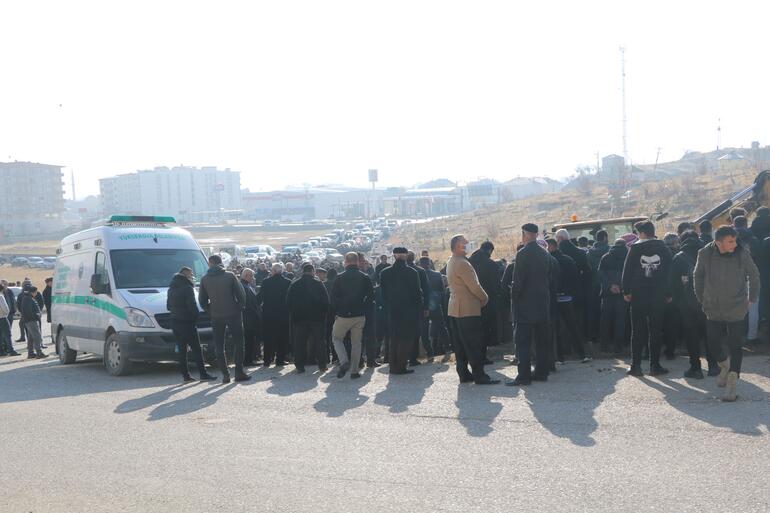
(465, 303)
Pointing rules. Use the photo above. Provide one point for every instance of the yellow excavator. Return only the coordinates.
(750, 199)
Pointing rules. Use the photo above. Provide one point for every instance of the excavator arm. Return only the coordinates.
(750, 199)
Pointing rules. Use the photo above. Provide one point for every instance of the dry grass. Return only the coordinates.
(684, 198)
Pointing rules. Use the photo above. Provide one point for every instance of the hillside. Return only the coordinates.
(683, 197)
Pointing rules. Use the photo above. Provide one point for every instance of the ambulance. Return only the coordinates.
(109, 291)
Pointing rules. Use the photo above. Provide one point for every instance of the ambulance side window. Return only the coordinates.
(100, 269)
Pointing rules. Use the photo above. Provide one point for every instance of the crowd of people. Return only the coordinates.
(29, 305)
(558, 298)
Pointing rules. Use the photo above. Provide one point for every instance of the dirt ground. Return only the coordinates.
(14, 274)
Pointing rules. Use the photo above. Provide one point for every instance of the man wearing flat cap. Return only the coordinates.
(465, 303)
(402, 295)
(531, 305)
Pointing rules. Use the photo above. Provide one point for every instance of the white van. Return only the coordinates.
(109, 291)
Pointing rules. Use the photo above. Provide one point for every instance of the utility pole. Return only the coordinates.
(623, 98)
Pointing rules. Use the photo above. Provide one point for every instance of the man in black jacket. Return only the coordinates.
(614, 307)
(566, 289)
(10, 299)
(438, 332)
(646, 287)
(530, 304)
(593, 301)
(251, 319)
(47, 293)
(580, 257)
(489, 276)
(402, 294)
(421, 314)
(180, 302)
(275, 316)
(30, 320)
(371, 348)
(352, 293)
(706, 235)
(308, 305)
(221, 295)
(689, 309)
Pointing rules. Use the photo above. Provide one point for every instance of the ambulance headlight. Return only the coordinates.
(138, 319)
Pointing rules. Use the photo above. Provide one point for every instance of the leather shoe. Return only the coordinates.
(518, 382)
(486, 381)
(536, 377)
(243, 377)
(407, 371)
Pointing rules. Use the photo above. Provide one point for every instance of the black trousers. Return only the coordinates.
(732, 333)
(187, 336)
(646, 330)
(523, 336)
(672, 328)
(251, 345)
(489, 327)
(309, 334)
(567, 327)
(275, 335)
(593, 305)
(371, 347)
(694, 327)
(466, 333)
(613, 322)
(382, 329)
(439, 335)
(423, 334)
(234, 325)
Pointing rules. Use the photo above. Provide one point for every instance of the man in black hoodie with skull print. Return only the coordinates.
(646, 287)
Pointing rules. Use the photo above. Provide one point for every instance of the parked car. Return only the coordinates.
(49, 262)
(335, 257)
(20, 262)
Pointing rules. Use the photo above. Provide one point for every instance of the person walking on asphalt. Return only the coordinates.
(726, 283)
(221, 294)
(531, 289)
(465, 302)
(308, 305)
(180, 301)
(645, 286)
(352, 293)
(6, 340)
(275, 316)
(402, 295)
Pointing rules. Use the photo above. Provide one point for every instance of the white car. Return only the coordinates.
(335, 257)
(313, 256)
(35, 262)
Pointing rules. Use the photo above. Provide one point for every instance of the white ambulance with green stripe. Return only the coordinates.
(109, 290)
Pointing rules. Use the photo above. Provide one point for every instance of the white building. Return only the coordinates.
(34, 199)
(187, 193)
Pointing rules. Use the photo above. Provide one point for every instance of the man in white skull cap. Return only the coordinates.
(645, 285)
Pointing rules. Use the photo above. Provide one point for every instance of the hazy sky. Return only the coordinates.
(320, 91)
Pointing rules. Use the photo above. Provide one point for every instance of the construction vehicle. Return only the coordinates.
(750, 199)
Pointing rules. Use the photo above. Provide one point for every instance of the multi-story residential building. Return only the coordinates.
(34, 199)
(188, 193)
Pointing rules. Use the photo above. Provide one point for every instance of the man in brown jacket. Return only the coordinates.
(465, 303)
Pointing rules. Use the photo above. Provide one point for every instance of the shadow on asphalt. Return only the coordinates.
(574, 421)
(405, 390)
(292, 383)
(477, 410)
(342, 394)
(747, 416)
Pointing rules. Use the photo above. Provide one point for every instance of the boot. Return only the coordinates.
(724, 369)
(732, 382)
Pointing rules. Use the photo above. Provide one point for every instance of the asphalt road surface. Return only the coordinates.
(73, 439)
